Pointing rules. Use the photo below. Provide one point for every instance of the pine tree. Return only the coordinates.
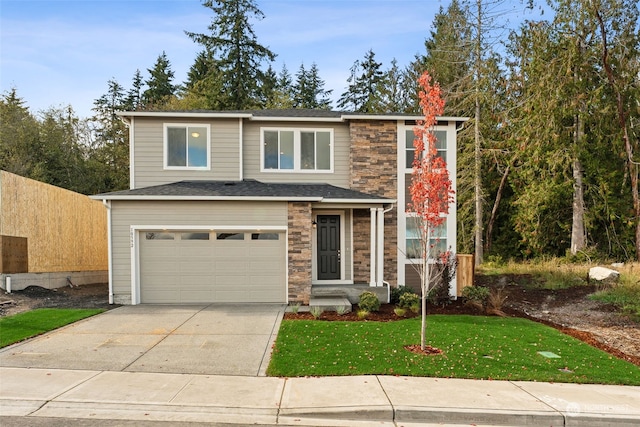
(160, 88)
(19, 139)
(365, 82)
(308, 90)
(111, 151)
(392, 99)
(133, 101)
(233, 45)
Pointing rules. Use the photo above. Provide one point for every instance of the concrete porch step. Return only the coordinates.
(330, 303)
(351, 292)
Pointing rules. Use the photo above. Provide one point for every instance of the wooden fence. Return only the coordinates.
(65, 231)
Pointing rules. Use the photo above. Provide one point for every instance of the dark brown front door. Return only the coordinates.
(328, 239)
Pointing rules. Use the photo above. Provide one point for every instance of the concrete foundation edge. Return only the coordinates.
(20, 281)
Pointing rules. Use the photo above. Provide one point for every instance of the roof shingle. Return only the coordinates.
(244, 189)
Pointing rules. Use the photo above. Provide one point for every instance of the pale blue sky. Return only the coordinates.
(61, 52)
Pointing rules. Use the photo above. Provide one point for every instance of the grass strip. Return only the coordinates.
(476, 347)
(35, 322)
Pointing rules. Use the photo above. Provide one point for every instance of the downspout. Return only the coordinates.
(372, 245)
(107, 205)
(383, 281)
(129, 124)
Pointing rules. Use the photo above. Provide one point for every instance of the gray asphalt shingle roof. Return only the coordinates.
(244, 189)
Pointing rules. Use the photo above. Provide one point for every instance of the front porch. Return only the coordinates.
(339, 250)
(330, 297)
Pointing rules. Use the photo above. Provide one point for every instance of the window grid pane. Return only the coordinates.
(176, 146)
(270, 150)
(307, 150)
(197, 153)
(230, 236)
(323, 151)
(286, 150)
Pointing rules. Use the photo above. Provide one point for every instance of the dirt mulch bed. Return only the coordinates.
(32, 297)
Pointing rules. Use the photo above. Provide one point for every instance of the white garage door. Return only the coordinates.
(203, 266)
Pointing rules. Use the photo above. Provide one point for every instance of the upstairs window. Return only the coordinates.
(186, 146)
(441, 146)
(297, 150)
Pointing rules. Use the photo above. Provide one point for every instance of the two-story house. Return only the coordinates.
(261, 206)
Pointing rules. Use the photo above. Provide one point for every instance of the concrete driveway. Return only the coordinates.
(194, 339)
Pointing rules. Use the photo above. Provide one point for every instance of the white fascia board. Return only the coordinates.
(400, 117)
(358, 201)
(211, 198)
(179, 114)
(297, 119)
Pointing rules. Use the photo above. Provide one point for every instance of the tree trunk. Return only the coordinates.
(578, 232)
(494, 211)
(622, 120)
(478, 155)
(425, 284)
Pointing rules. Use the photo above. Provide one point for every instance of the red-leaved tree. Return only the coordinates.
(431, 193)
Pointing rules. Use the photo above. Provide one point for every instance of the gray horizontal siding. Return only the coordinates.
(251, 154)
(173, 213)
(148, 152)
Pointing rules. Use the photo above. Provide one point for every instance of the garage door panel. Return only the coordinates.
(260, 282)
(160, 296)
(232, 296)
(195, 267)
(213, 270)
(195, 296)
(265, 266)
(162, 265)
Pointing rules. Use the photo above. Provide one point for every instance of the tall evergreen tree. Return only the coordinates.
(62, 151)
(111, 150)
(308, 89)
(203, 87)
(133, 100)
(282, 95)
(199, 70)
(160, 88)
(18, 135)
(392, 99)
(365, 83)
(234, 45)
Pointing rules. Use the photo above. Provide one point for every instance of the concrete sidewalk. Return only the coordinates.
(326, 401)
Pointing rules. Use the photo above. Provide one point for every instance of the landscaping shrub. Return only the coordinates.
(476, 296)
(409, 300)
(495, 301)
(369, 302)
(398, 291)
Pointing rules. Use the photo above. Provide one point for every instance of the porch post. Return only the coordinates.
(380, 247)
(372, 248)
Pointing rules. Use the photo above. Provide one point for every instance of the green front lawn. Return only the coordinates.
(31, 323)
(474, 347)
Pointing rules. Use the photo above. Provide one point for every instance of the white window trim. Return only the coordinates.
(451, 231)
(297, 150)
(165, 157)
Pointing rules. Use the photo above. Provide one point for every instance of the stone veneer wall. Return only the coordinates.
(374, 166)
(300, 251)
(361, 243)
